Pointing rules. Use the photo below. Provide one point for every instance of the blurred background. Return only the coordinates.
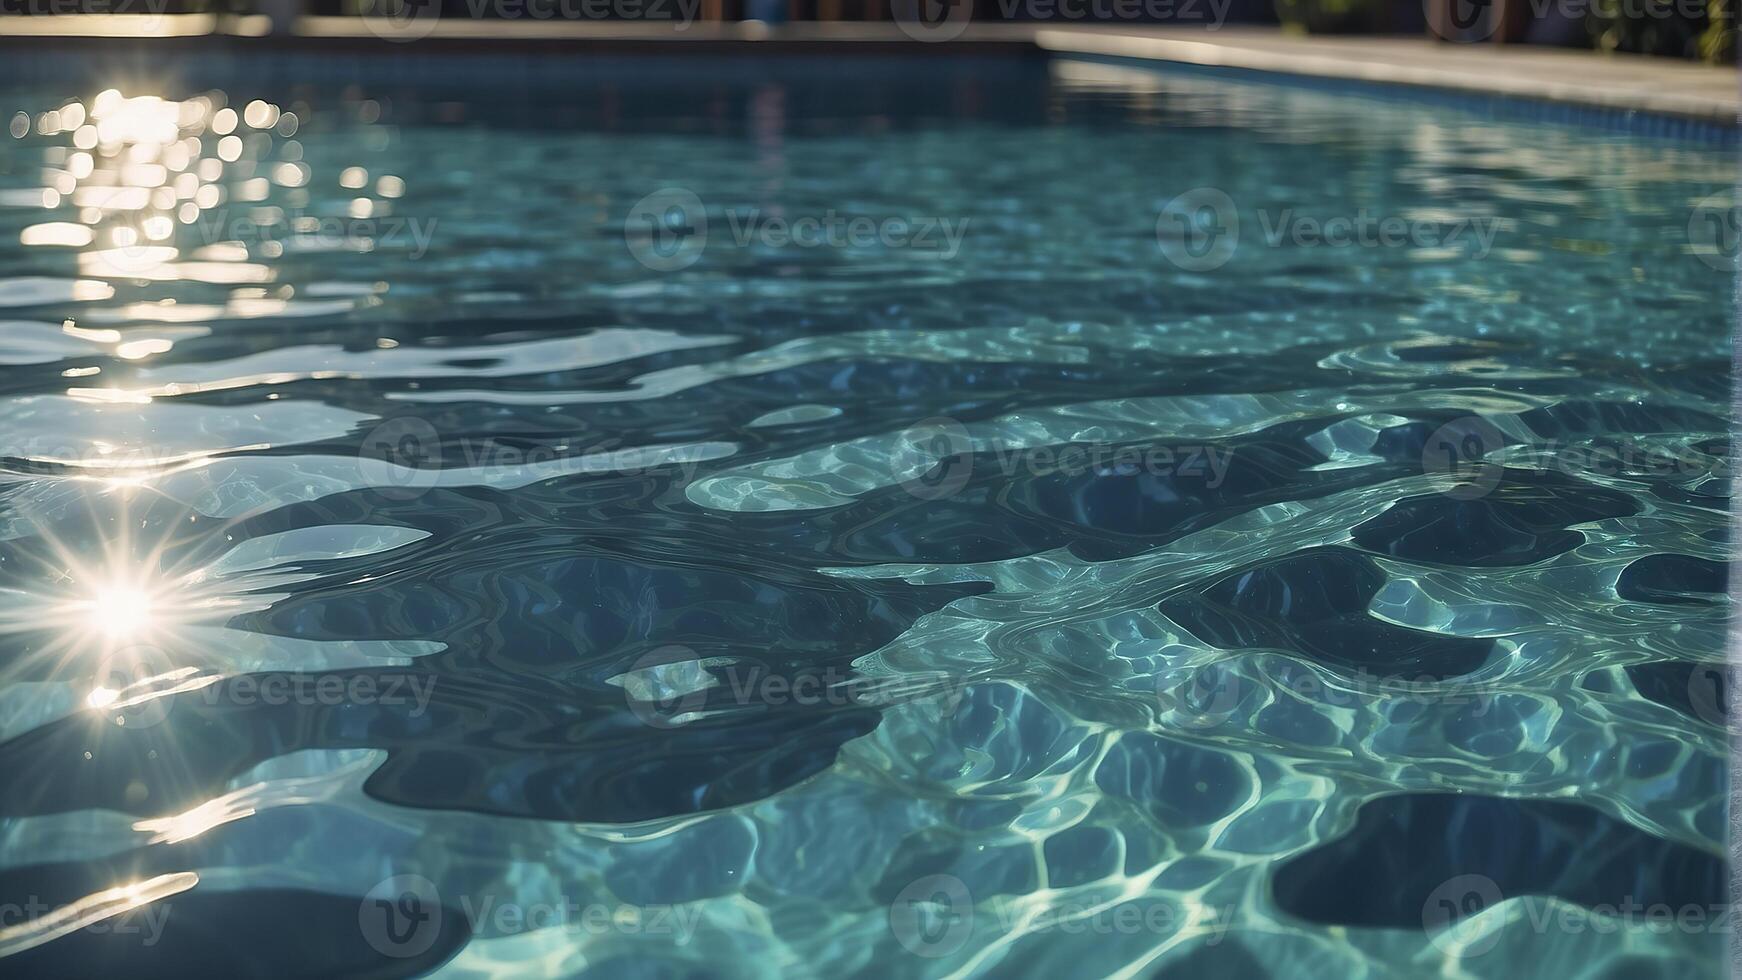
(1687, 29)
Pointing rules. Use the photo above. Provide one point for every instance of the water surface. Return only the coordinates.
(878, 519)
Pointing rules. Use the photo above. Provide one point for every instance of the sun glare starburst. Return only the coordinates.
(111, 608)
(122, 611)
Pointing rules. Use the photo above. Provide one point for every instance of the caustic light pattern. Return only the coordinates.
(447, 534)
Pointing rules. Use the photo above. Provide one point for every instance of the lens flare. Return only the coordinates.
(122, 612)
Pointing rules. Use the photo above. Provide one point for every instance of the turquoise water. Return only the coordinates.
(870, 519)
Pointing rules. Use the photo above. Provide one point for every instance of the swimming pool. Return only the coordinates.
(888, 518)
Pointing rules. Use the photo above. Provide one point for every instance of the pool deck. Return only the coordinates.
(1660, 86)
(1614, 82)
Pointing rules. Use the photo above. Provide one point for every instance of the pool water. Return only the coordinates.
(886, 519)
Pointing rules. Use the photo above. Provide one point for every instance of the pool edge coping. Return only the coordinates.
(1212, 54)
